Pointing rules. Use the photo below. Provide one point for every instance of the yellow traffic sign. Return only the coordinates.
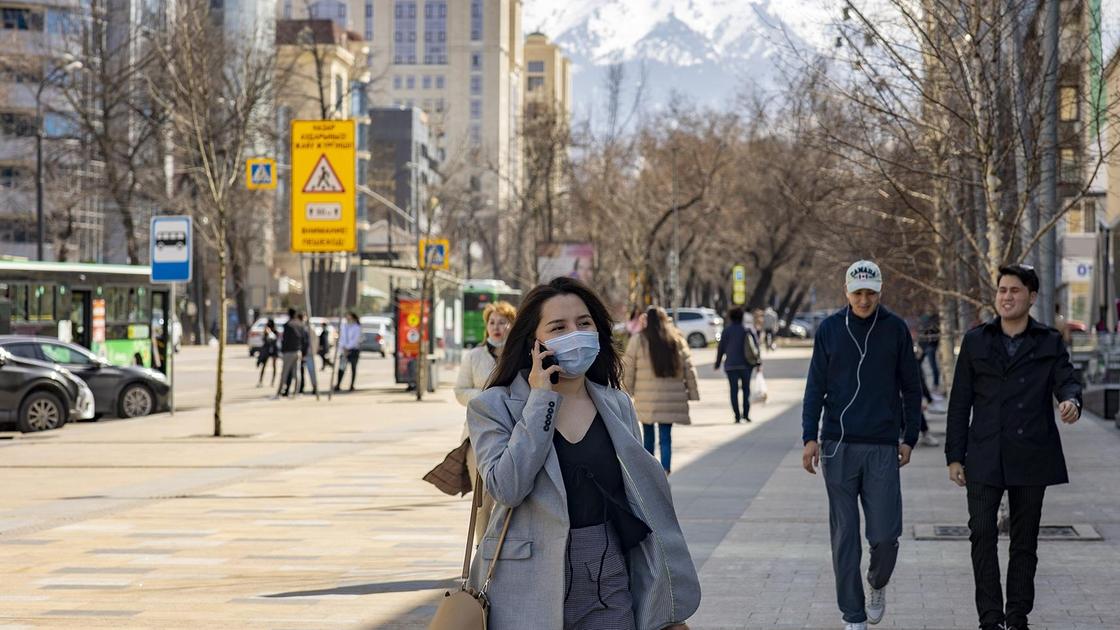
(260, 174)
(738, 285)
(435, 253)
(322, 214)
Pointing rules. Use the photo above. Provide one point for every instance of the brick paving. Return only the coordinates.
(316, 518)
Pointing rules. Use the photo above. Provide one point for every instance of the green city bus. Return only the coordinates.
(477, 295)
(114, 310)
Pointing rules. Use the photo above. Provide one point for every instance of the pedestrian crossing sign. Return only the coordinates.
(323, 182)
(323, 179)
(435, 253)
(260, 174)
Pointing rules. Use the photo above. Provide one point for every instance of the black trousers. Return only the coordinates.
(1026, 514)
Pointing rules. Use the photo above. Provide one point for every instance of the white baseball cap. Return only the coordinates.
(864, 274)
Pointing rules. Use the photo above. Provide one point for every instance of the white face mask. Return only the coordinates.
(575, 352)
(496, 344)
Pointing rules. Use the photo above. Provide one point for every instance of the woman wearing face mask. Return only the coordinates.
(658, 373)
(475, 371)
(592, 540)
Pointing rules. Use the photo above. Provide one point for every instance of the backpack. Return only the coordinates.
(750, 349)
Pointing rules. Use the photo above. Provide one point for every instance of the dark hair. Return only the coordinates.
(664, 348)
(352, 315)
(515, 357)
(270, 324)
(735, 315)
(1025, 273)
(291, 313)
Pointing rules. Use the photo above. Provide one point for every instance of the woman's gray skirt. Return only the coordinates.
(598, 582)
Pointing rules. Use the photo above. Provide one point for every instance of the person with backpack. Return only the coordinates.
(740, 354)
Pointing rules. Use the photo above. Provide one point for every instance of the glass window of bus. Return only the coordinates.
(17, 293)
(116, 304)
(476, 301)
(140, 306)
(41, 303)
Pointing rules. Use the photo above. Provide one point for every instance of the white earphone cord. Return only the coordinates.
(859, 383)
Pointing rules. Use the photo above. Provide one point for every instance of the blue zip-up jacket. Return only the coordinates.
(890, 390)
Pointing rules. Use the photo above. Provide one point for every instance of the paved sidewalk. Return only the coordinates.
(316, 518)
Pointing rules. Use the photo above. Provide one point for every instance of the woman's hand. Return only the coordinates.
(539, 376)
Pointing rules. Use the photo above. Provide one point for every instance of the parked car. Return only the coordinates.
(377, 334)
(39, 396)
(124, 391)
(699, 326)
(797, 329)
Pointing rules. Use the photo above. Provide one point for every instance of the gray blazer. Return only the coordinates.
(511, 430)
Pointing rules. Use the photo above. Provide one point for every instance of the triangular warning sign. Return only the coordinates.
(323, 178)
(262, 174)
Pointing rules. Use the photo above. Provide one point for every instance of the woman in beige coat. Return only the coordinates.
(658, 373)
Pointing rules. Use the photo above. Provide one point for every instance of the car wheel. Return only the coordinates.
(136, 400)
(41, 411)
(697, 340)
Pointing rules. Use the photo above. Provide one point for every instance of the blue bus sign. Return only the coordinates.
(171, 249)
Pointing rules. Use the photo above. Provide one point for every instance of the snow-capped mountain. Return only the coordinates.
(707, 50)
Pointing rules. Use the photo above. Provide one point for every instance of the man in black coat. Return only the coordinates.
(1009, 373)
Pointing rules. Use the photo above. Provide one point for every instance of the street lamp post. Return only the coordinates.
(675, 267)
(39, 132)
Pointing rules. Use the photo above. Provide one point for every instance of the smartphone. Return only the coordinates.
(548, 362)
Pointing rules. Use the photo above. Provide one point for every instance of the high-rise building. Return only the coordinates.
(34, 40)
(548, 75)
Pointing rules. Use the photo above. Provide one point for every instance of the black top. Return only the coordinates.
(593, 481)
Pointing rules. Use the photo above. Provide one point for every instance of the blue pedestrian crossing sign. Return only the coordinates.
(435, 253)
(171, 250)
(260, 174)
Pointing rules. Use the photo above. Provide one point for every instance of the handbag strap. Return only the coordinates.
(475, 505)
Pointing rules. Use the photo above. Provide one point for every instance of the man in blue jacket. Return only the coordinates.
(865, 379)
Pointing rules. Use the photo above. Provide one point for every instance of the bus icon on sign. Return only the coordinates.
(177, 240)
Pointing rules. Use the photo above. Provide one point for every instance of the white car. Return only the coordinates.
(699, 326)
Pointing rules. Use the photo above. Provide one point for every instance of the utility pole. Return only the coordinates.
(675, 261)
(1047, 252)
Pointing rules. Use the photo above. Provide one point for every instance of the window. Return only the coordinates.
(40, 302)
(24, 350)
(1067, 103)
(14, 19)
(686, 316)
(535, 83)
(536, 66)
(369, 21)
(476, 20)
(439, 82)
(396, 82)
(476, 85)
(476, 136)
(476, 109)
(476, 61)
(439, 105)
(410, 82)
(288, 9)
(9, 177)
(19, 125)
(59, 353)
(435, 32)
(329, 10)
(62, 23)
(1069, 170)
(404, 32)
(427, 82)
(369, 10)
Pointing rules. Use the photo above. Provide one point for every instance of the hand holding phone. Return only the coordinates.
(546, 369)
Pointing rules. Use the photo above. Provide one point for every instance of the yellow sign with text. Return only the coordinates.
(323, 216)
(435, 253)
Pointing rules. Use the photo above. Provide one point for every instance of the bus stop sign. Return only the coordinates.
(171, 249)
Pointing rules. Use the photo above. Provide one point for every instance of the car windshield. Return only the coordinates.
(67, 355)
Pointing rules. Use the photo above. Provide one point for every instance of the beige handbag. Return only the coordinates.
(467, 609)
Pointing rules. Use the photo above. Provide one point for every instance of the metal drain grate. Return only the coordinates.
(1079, 532)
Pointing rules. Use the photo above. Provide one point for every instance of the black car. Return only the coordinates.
(124, 391)
(38, 396)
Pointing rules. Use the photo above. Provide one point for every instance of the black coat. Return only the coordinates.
(1012, 439)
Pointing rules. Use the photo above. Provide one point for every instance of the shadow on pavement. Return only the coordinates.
(376, 588)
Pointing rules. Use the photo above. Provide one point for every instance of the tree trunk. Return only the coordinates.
(222, 272)
(762, 289)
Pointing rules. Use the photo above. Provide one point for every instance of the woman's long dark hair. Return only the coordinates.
(664, 347)
(515, 357)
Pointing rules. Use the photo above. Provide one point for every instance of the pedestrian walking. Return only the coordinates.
(770, 321)
(593, 539)
(325, 346)
(290, 343)
(1002, 437)
(475, 372)
(864, 377)
(309, 349)
(349, 342)
(268, 351)
(739, 352)
(634, 322)
(929, 339)
(658, 373)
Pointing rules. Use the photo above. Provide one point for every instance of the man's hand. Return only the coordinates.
(956, 474)
(811, 457)
(1069, 412)
(904, 451)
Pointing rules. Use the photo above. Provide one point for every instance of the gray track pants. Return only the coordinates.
(867, 474)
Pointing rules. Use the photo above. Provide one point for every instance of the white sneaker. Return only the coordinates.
(855, 626)
(928, 440)
(876, 605)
